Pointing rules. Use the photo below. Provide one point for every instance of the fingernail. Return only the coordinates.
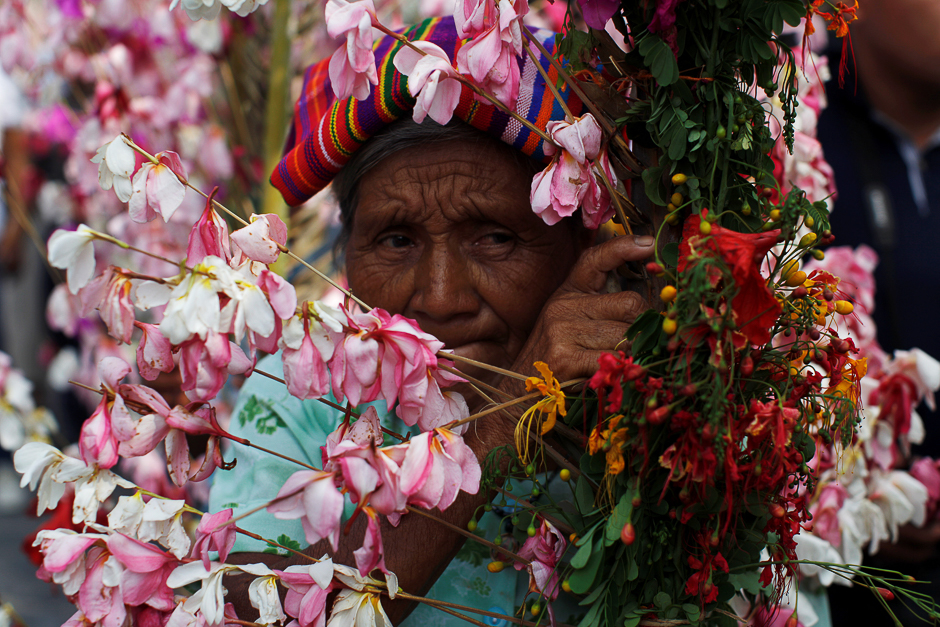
(643, 240)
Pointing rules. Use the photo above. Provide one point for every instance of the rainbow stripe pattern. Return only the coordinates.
(326, 132)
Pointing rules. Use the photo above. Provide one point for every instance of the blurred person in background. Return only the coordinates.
(881, 134)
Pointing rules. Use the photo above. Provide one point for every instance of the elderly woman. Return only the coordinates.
(439, 228)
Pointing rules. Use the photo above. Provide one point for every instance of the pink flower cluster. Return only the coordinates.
(428, 471)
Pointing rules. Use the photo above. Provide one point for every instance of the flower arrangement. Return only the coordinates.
(696, 464)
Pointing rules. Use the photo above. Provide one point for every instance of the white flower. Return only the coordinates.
(210, 598)
(92, 489)
(161, 520)
(353, 608)
(48, 467)
(193, 308)
(243, 7)
(264, 597)
(127, 515)
(815, 549)
(116, 163)
(200, 9)
(74, 251)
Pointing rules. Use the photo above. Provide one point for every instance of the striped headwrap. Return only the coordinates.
(326, 132)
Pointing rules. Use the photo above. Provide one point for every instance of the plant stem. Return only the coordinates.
(468, 534)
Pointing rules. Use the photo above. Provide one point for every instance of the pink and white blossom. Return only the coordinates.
(162, 521)
(431, 79)
(437, 466)
(352, 67)
(146, 569)
(110, 294)
(263, 238)
(154, 354)
(213, 534)
(264, 597)
(157, 188)
(311, 496)
(308, 586)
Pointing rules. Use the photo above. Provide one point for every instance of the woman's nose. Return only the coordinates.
(444, 285)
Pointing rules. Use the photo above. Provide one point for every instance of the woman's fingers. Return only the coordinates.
(589, 275)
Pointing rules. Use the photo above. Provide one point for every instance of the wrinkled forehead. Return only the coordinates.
(451, 181)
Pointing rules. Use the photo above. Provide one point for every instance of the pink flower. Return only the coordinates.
(312, 497)
(428, 406)
(307, 589)
(570, 182)
(97, 442)
(597, 12)
(205, 365)
(138, 436)
(146, 572)
(282, 297)
(261, 239)
(431, 79)
(110, 294)
(209, 236)
(352, 67)
(491, 61)
(210, 537)
(63, 553)
(371, 554)
(364, 432)
(472, 17)
(826, 513)
(157, 188)
(307, 345)
(544, 551)
(436, 467)
(154, 354)
(194, 420)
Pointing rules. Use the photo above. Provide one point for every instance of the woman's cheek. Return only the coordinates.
(380, 283)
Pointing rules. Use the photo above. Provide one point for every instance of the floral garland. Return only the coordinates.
(694, 463)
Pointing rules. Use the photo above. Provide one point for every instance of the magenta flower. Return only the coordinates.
(352, 67)
(100, 598)
(307, 344)
(371, 554)
(473, 17)
(431, 79)
(261, 239)
(544, 551)
(491, 61)
(312, 497)
(210, 537)
(206, 364)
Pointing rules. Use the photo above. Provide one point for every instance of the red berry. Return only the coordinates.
(886, 594)
(628, 534)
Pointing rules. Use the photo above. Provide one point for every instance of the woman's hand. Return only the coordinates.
(582, 320)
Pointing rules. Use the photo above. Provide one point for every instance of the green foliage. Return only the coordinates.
(284, 540)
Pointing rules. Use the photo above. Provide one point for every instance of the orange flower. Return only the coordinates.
(839, 19)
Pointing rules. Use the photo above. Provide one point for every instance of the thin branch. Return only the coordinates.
(468, 534)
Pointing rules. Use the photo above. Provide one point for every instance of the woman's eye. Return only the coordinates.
(497, 238)
(396, 241)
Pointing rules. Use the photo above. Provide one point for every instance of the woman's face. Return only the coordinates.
(446, 235)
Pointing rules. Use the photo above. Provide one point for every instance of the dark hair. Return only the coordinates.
(405, 133)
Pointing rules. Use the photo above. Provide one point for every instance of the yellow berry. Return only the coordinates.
(566, 586)
(495, 567)
(536, 608)
(807, 240)
(676, 199)
(844, 307)
(672, 219)
(819, 255)
(572, 538)
(670, 326)
(472, 525)
(679, 178)
(775, 215)
(809, 221)
(565, 474)
(789, 268)
(668, 294)
(705, 227)
(796, 278)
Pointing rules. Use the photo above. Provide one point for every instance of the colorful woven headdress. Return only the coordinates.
(326, 132)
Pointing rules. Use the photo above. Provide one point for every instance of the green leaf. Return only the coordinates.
(780, 11)
(746, 580)
(662, 599)
(584, 495)
(677, 142)
(582, 579)
(593, 596)
(590, 619)
(670, 254)
(820, 214)
(659, 58)
(633, 569)
(691, 611)
(632, 621)
(619, 517)
(652, 181)
(581, 558)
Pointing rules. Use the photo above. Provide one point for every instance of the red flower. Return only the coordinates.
(754, 305)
